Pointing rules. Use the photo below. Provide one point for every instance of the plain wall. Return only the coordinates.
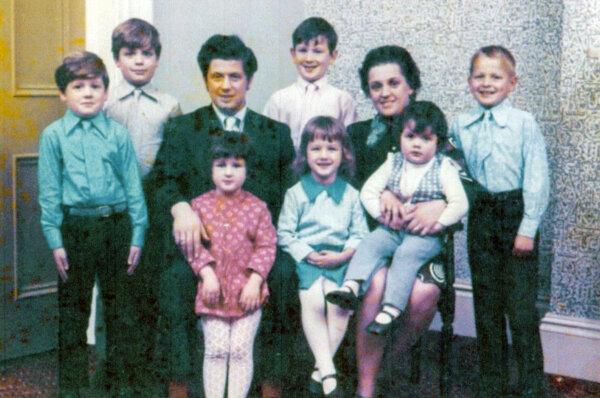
(265, 26)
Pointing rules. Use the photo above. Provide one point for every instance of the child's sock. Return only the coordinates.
(387, 314)
(329, 385)
(353, 285)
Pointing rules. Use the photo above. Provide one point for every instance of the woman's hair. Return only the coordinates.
(229, 144)
(329, 129)
(426, 114)
(391, 55)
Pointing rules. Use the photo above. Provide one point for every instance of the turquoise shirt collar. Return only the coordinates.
(71, 120)
(312, 188)
(499, 113)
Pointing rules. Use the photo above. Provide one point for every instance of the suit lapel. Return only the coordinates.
(205, 120)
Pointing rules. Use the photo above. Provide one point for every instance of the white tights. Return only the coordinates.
(228, 342)
(324, 324)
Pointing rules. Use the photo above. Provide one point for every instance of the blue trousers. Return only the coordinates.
(408, 253)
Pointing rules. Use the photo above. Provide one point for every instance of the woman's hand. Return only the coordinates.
(211, 289)
(422, 217)
(250, 296)
(392, 210)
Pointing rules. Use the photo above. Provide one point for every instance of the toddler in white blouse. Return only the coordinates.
(418, 173)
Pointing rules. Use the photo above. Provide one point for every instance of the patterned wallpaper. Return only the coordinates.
(576, 214)
(442, 36)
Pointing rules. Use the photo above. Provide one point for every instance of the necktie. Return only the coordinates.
(307, 110)
(483, 140)
(232, 123)
(137, 94)
(92, 158)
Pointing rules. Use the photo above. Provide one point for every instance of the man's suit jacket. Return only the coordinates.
(183, 165)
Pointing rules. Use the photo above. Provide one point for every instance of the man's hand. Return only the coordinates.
(422, 217)
(187, 230)
(61, 261)
(135, 252)
(523, 246)
(211, 289)
(250, 295)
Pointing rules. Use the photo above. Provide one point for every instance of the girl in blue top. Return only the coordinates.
(320, 226)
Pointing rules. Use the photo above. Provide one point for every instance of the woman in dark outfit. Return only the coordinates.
(390, 78)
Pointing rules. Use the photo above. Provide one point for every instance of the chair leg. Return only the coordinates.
(415, 361)
(446, 307)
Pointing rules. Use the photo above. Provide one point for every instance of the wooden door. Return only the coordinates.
(34, 37)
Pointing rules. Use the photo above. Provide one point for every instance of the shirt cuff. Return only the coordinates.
(299, 251)
(528, 227)
(54, 238)
(138, 236)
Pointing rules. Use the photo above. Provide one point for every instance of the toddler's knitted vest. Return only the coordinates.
(430, 187)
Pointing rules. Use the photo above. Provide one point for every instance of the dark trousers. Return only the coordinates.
(276, 353)
(178, 357)
(95, 247)
(503, 286)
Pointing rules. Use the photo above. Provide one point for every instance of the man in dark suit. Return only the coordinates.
(183, 171)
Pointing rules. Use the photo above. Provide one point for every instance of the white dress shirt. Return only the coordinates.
(298, 103)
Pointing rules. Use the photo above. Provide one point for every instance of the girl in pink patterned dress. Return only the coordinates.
(232, 270)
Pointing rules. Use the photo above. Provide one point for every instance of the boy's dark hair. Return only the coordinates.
(312, 28)
(391, 55)
(329, 129)
(80, 65)
(426, 114)
(229, 144)
(494, 51)
(135, 33)
(228, 48)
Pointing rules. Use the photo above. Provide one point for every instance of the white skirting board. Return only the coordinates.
(571, 345)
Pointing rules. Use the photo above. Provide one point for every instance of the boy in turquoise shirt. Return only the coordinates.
(505, 154)
(93, 217)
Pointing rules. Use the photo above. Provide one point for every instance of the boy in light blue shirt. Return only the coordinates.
(144, 110)
(505, 154)
(93, 217)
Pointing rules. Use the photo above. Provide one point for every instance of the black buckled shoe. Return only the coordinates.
(381, 329)
(315, 388)
(344, 297)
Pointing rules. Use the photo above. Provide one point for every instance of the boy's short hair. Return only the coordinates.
(80, 65)
(227, 48)
(135, 33)
(229, 144)
(329, 129)
(391, 55)
(312, 28)
(494, 51)
(427, 114)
